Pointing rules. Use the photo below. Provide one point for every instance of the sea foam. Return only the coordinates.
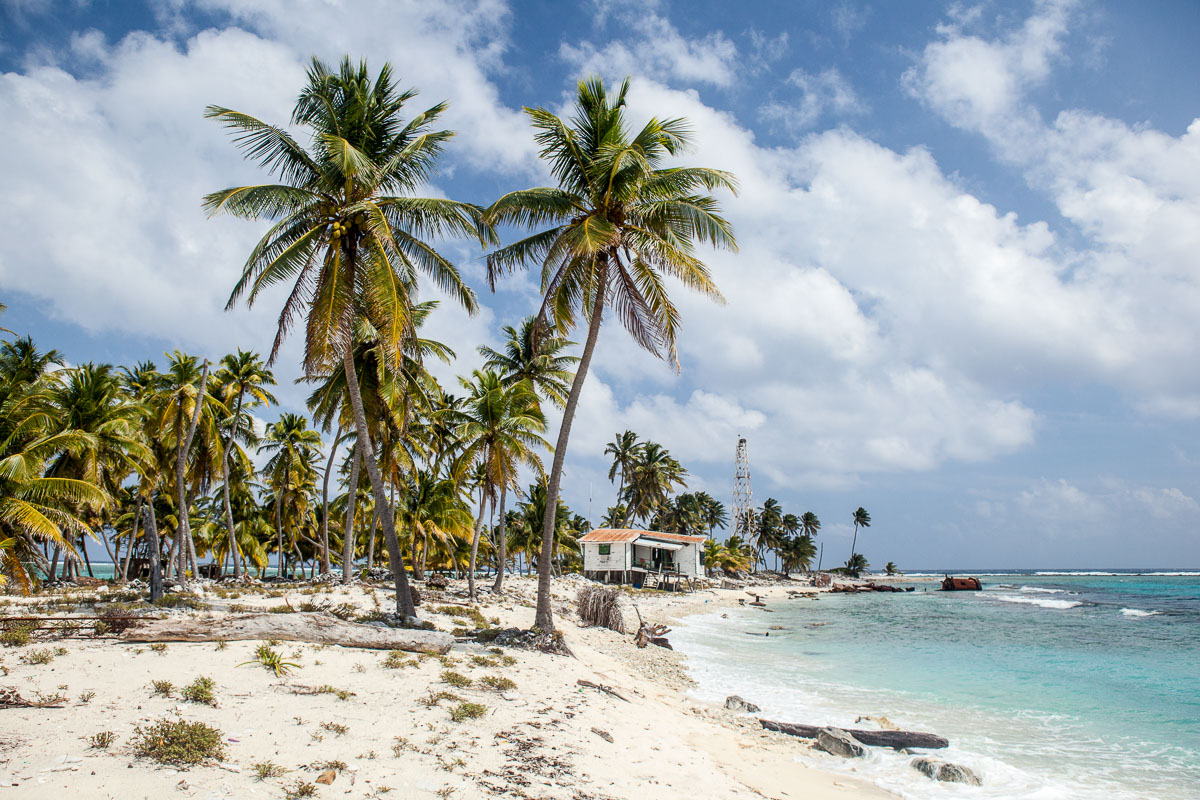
(1043, 602)
(1137, 612)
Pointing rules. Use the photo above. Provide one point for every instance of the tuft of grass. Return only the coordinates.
(398, 659)
(267, 769)
(159, 647)
(181, 601)
(470, 612)
(334, 727)
(163, 688)
(433, 698)
(102, 740)
(87, 697)
(498, 683)
(284, 609)
(16, 634)
(400, 744)
(456, 679)
(271, 660)
(200, 691)
(221, 645)
(464, 711)
(178, 742)
(336, 766)
(300, 789)
(38, 657)
(483, 661)
(342, 694)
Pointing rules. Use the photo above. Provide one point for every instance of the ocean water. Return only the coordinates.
(1054, 686)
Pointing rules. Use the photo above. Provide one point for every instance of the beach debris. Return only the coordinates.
(939, 770)
(311, 627)
(601, 606)
(650, 634)
(883, 722)
(838, 742)
(601, 688)
(740, 705)
(605, 735)
(893, 739)
(327, 777)
(11, 698)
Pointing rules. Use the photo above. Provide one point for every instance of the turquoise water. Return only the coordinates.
(1048, 686)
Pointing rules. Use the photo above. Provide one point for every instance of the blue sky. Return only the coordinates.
(967, 290)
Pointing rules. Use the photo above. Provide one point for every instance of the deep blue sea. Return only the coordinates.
(1055, 685)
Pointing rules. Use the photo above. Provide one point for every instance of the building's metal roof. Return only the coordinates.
(603, 535)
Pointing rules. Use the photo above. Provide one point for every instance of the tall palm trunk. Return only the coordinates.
(544, 620)
(325, 502)
(404, 603)
(156, 578)
(237, 415)
(854, 541)
(501, 544)
(279, 533)
(184, 529)
(348, 530)
(371, 542)
(137, 517)
(483, 493)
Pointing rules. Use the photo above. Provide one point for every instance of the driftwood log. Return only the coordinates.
(650, 634)
(313, 627)
(894, 739)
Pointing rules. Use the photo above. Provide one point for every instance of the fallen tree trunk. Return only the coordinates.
(894, 739)
(313, 627)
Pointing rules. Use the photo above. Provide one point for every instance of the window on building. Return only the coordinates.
(605, 549)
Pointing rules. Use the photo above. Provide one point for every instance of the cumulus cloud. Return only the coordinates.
(652, 45)
(1132, 193)
(827, 92)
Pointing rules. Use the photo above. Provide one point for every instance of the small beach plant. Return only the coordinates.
(178, 742)
(272, 660)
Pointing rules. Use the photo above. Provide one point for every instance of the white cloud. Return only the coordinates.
(653, 46)
(827, 92)
(1131, 191)
(849, 19)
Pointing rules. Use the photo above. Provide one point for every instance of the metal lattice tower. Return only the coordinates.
(743, 497)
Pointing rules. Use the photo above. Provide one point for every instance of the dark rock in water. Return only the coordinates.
(940, 770)
(735, 703)
(837, 742)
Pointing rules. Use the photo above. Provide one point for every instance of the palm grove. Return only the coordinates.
(387, 466)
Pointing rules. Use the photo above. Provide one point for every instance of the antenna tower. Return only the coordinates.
(743, 498)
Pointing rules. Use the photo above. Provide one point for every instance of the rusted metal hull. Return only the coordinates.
(961, 584)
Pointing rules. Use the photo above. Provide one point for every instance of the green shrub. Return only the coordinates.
(398, 659)
(38, 657)
(163, 688)
(464, 711)
(178, 742)
(200, 691)
(498, 683)
(102, 740)
(17, 634)
(181, 601)
(456, 679)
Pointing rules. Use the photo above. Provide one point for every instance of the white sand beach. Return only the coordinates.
(547, 738)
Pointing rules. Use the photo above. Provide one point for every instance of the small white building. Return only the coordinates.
(643, 558)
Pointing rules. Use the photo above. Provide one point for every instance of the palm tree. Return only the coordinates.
(619, 224)
(653, 477)
(798, 552)
(294, 448)
(809, 524)
(891, 568)
(33, 507)
(713, 513)
(861, 520)
(767, 530)
(624, 449)
(500, 426)
(181, 403)
(349, 235)
(240, 375)
(534, 354)
(856, 564)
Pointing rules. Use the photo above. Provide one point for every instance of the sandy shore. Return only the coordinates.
(376, 725)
